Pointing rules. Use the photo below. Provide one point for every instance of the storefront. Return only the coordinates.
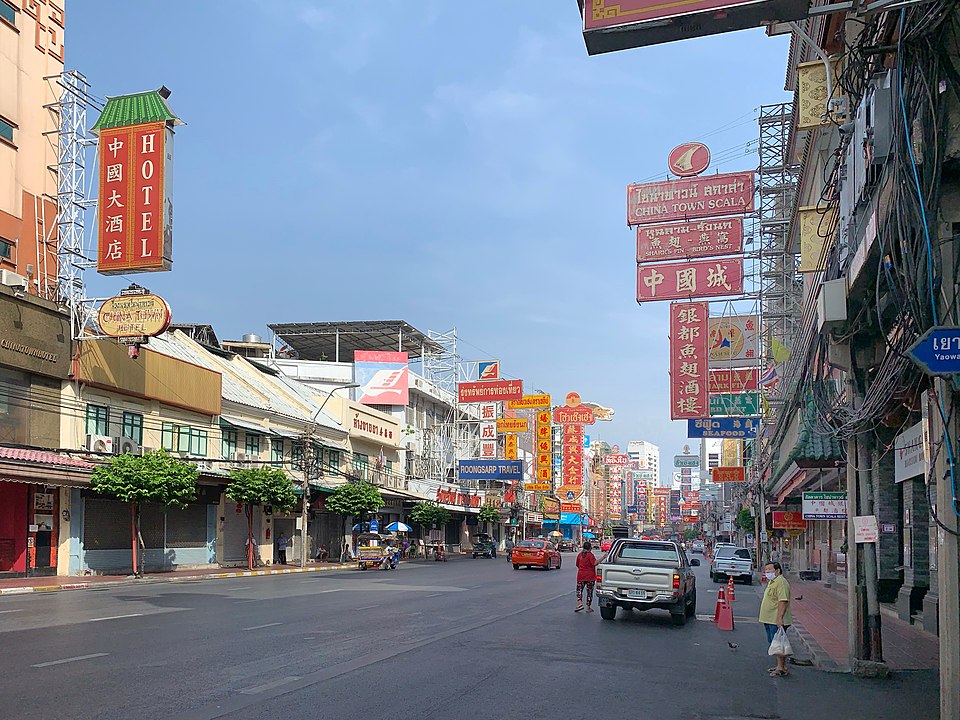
(34, 359)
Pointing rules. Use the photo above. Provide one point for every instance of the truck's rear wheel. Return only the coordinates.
(608, 612)
(679, 618)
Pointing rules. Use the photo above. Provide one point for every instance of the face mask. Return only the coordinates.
(770, 575)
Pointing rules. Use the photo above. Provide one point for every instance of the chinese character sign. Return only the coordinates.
(688, 360)
(543, 446)
(693, 279)
(135, 210)
(685, 240)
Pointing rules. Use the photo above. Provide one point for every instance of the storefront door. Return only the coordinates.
(13, 527)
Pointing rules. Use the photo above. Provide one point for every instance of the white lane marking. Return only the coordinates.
(10, 611)
(115, 617)
(69, 659)
(368, 607)
(261, 627)
(270, 685)
(433, 595)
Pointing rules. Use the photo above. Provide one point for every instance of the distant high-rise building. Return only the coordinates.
(645, 457)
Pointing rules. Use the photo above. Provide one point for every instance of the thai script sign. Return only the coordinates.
(690, 198)
(686, 461)
(142, 315)
(729, 474)
(734, 380)
(686, 240)
(470, 392)
(824, 505)
(735, 404)
(384, 377)
(619, 460)
(514, 425)
(530, 402)
(742, 428)
(685, 280)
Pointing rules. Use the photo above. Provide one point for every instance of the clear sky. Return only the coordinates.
(451, 164)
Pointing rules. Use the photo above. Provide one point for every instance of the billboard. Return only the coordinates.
(690, 198)
(687, 240)
(485, 390)
(490, 469)
(134, 315)
(512, 425)
(611, 25)
(619, 460)
(383, 377)
(824, 505)
(688, 360)
(529, 402)
(135, 204)
(734, 341)
(731, 427)
(686, 461)
(686, 280)
(510, 446)
(734, 380)
(728, 474)
(788, 521)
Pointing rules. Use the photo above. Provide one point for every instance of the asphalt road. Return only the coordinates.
(466, 638)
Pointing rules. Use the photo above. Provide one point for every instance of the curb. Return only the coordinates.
(821, 659)
(159, 579)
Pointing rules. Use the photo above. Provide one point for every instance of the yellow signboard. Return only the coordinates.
(510, 446)
(529, 401)
(544, 474)
(142, 315)
(536, 487)
(512, 425)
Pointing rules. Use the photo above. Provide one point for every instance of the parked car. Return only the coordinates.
(606, 544)
(567, 546)
(645, 575)
(697, 547)
(730, 561)
(536, 553)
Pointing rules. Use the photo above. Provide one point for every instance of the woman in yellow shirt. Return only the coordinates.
(775, 610)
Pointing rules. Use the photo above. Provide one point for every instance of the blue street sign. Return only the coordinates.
(728, 427)
(491, 469)
(375, 525)
(586, 441)
(937, 352)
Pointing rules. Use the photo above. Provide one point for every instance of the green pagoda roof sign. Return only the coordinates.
(137, 109)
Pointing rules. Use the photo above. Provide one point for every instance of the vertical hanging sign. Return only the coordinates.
(688, 361)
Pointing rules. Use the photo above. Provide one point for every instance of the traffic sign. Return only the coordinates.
(937, 352)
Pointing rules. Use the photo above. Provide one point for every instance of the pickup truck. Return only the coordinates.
(733, 562)
(646, 574)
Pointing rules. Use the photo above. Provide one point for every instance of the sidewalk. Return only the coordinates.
(820, 619)
(16, 586)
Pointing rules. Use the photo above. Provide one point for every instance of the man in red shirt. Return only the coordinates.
(586, 576)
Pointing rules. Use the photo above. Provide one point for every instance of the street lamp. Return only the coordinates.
(308, 468)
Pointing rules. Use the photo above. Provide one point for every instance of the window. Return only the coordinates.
(296, 455)
(8, 12)
(184, 439)
(361, 465)
(98, 416)
(333, 461)
(168, 436)
(132, 427)
(6, 248)
(276, 452)
(228, 443)
(6, 128)
(253, 444)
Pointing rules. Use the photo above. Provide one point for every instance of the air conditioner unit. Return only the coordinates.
(205, 464)
(12, 279)
(239, 457)
(125, 445)
(99, 443)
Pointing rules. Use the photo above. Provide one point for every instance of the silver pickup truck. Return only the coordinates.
(646, 574)
(730, 561)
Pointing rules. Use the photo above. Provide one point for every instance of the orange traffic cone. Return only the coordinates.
(731, 595)
(725, 619)
(721, 602)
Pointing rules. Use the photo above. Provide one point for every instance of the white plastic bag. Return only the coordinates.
(780, 645)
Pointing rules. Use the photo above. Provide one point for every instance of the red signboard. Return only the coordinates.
(573, 455)
(580, 415)
(488, 390)
(684, 240)
(569, 507)
(134, 219)
(729, 474)
(620, 460)
(686, 280)
(688, 159)
(734, 381)
(688, 361)
(689, 198)
(788, 521)
(601, 14)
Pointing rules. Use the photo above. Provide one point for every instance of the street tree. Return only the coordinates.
(429, 514)
(355, 499)
(746, 521)
(153, 477)
(488, 514)
(691, 534)
(260, 486)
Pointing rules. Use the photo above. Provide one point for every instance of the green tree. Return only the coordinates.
(746, 521)
(691, 534)
(260, 485)
(489, 514)
(429, 514)
(356, 499)
(154, 477)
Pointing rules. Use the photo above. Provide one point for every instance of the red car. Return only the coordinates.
(606, 545)
(536, 553)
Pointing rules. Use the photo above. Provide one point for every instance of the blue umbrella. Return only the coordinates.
(399, 527)
(589, 535)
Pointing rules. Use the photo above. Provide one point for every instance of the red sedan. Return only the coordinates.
(536, 553)
(606, 545)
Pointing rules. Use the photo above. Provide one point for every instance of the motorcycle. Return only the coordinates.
(438, 554)
(390, 561)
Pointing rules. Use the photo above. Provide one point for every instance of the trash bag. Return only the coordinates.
(780, 645)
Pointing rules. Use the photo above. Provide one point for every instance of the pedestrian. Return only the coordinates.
(508, 545)
(346, 556)
(322, 554)
(775, 610)
(282, 542)
(586, 576)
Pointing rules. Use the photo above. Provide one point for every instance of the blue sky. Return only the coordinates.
(450, 164)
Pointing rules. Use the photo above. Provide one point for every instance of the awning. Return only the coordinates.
(243, 424)
(42, 467)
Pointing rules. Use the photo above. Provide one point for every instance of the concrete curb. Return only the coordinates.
(821, 659)
(160, 578)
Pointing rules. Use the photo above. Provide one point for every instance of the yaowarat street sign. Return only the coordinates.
(472, 392)
(690, 198)
(512, 425)
(687, 240)
(688, 360)
(695, 279)
(729, 474)
(127, 316)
